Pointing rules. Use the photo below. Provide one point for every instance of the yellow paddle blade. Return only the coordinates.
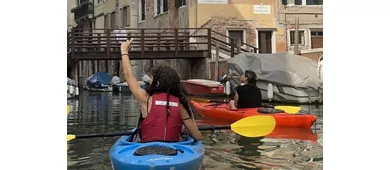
(200, 100)
(254, 126)
(70, 137)
(68, 109)
(289, 109)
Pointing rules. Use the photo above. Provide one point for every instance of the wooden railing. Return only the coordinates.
(89, 44)
(150, 43)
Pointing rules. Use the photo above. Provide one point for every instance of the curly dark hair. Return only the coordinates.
(166, 80)
(251, 75)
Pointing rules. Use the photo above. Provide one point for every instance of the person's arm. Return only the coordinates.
(189, 123)
(236, 99)
(140, 94)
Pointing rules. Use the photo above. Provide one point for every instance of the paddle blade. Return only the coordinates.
(70, 137)
(68, 109)
(289, 109)
(200, 100)
(254, 126)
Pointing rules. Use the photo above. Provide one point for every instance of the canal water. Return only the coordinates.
(96, 112)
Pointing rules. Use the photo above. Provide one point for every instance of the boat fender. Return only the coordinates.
(71, 90)
(227, 88)
(270, 92)
(156, 149)
(77, 91)
(268, 110)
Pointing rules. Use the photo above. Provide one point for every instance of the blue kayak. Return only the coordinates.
(185, 155)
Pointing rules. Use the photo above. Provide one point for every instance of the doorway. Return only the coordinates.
(265, 41)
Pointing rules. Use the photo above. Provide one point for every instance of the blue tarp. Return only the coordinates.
(99, 80)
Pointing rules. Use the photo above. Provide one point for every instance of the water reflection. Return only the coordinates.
(97, 112)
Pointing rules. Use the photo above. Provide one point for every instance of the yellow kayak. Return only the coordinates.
(68, 109)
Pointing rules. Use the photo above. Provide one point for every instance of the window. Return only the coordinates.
(79, 2)
(316, 38)
(112, 20)
(313, 2)
(301, 37)
(161, 6)
(142, 10)
(179, 3)
(308, 2)
(125, 21)
(298, 2)
(236, 34)
(106, 23)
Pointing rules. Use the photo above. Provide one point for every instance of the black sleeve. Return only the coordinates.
(238, 90)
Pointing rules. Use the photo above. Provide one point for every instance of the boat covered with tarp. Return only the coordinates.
(100, 81)
(291, 78)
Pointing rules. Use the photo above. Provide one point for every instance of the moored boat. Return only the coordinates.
(290, 78)
(223, 112)
(202, 86)
(99, 82)
(72, 89)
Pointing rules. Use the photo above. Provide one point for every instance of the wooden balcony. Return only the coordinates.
(149, 43)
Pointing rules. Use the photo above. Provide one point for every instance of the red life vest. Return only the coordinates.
(157, 126)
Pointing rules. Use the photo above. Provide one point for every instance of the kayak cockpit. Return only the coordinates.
(129, 153)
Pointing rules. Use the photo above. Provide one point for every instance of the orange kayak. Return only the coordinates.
(304, 134)
(223, 112)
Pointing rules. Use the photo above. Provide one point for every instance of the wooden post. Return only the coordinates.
(99, 49)
(108, 41)
(72, 43)
(99, 42)
(78, 73)
(231, 47)
(176, 42)
(97, 65)
(216, 64)
(142, 42)
(239, 46)
(296, 36)
(209, 41)
(158, 41)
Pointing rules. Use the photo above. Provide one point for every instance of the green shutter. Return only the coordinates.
(178, 3)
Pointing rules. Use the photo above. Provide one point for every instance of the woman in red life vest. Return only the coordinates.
(164, 109)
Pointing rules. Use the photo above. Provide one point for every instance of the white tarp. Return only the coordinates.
(283, 68)
(115, 80)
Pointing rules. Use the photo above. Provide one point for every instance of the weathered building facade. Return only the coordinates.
(83, 18)
(310, 15)
(267, 25)
(169, 14)
(105, 16)
(70, 16)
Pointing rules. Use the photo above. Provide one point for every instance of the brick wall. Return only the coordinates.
(222, 69)
(221, 24)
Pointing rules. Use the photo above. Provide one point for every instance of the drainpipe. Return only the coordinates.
(117, 25)
(196, 13)
(296, 36)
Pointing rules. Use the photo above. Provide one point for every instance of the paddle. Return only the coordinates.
(286, 109)
(252, 126)
(68, 109)
(289, 109)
